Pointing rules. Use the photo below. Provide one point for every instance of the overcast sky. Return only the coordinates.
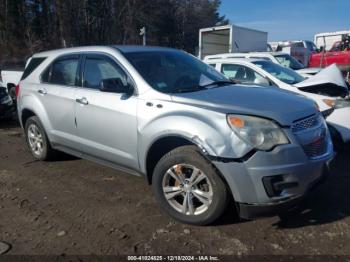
(289, 19)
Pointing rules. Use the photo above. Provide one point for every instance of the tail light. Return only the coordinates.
(17, 90)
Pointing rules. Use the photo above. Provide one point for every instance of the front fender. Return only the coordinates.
(209, 131)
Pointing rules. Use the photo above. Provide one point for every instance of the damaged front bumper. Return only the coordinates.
(271, 182)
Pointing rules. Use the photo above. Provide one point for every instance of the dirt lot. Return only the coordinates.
(73, 206)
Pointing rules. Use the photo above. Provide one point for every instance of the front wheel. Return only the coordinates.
(188, 187)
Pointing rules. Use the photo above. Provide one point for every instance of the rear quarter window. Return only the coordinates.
(33, 64)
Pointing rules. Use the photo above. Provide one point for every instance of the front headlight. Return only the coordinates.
(329, 102)
(260, 133)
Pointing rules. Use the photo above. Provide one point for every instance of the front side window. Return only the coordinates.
(170, 71)
(337, 47)
(242, 74)
(311, 46)
(62, 71)
(97, 69)
(282, 73)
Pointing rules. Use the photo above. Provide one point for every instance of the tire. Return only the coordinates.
(45, 151)
(182, 163)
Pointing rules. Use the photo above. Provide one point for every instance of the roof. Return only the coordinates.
(140, 48)
(232, 55)
(228, 60)
(120, 48)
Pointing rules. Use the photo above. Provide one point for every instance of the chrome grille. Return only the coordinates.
(317, 147)
(312, 135)
(305, 123)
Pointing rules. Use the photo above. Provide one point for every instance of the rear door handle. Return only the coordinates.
(82, 101)
(42, 91)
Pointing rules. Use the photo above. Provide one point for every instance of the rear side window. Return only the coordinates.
(33, 64)
(63, 71)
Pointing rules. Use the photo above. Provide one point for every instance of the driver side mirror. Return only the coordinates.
(115, 85)
(321, 49)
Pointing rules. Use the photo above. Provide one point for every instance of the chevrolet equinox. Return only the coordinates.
(161, 113)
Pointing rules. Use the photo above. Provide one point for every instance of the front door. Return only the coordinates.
(106, 122)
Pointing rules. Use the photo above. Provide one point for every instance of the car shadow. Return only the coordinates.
(328, 203)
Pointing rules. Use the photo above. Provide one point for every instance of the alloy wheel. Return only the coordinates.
(35, 139)
(187, 189)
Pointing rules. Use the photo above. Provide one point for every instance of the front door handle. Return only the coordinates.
(82, 101)
(42, 91)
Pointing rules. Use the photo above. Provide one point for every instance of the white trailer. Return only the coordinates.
(328, 39)
(230, 39)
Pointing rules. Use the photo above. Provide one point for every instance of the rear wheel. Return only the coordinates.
(37, 140)
(188, 187)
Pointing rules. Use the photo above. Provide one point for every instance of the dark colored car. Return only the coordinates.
(7, 106)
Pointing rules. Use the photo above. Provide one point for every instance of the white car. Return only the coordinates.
(11, 78)
(328, 88)
(281, 58)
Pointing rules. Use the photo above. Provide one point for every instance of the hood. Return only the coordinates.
(328, 81)
(309, 70)
(273, 103)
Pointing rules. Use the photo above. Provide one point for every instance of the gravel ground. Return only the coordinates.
(72, 206)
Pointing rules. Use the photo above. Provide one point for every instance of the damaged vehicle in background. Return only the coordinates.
(280, 58)
(7, 106)
(165, 115)
(328, 88)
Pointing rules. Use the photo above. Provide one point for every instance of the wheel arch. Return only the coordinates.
(169, 143)
(159, 148)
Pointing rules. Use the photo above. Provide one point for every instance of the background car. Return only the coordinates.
(328, 89)
(7, 106)
(280, 58)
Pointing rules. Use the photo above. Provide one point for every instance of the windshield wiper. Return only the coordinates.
(219, 83)
(188, 89)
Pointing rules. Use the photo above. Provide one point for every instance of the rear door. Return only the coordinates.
(106, 122)
(57, 94)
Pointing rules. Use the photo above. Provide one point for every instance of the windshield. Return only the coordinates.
(289, 61)
(172, 71)
(311, 46)
(284, 74)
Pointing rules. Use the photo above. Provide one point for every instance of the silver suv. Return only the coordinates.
(165, 115)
